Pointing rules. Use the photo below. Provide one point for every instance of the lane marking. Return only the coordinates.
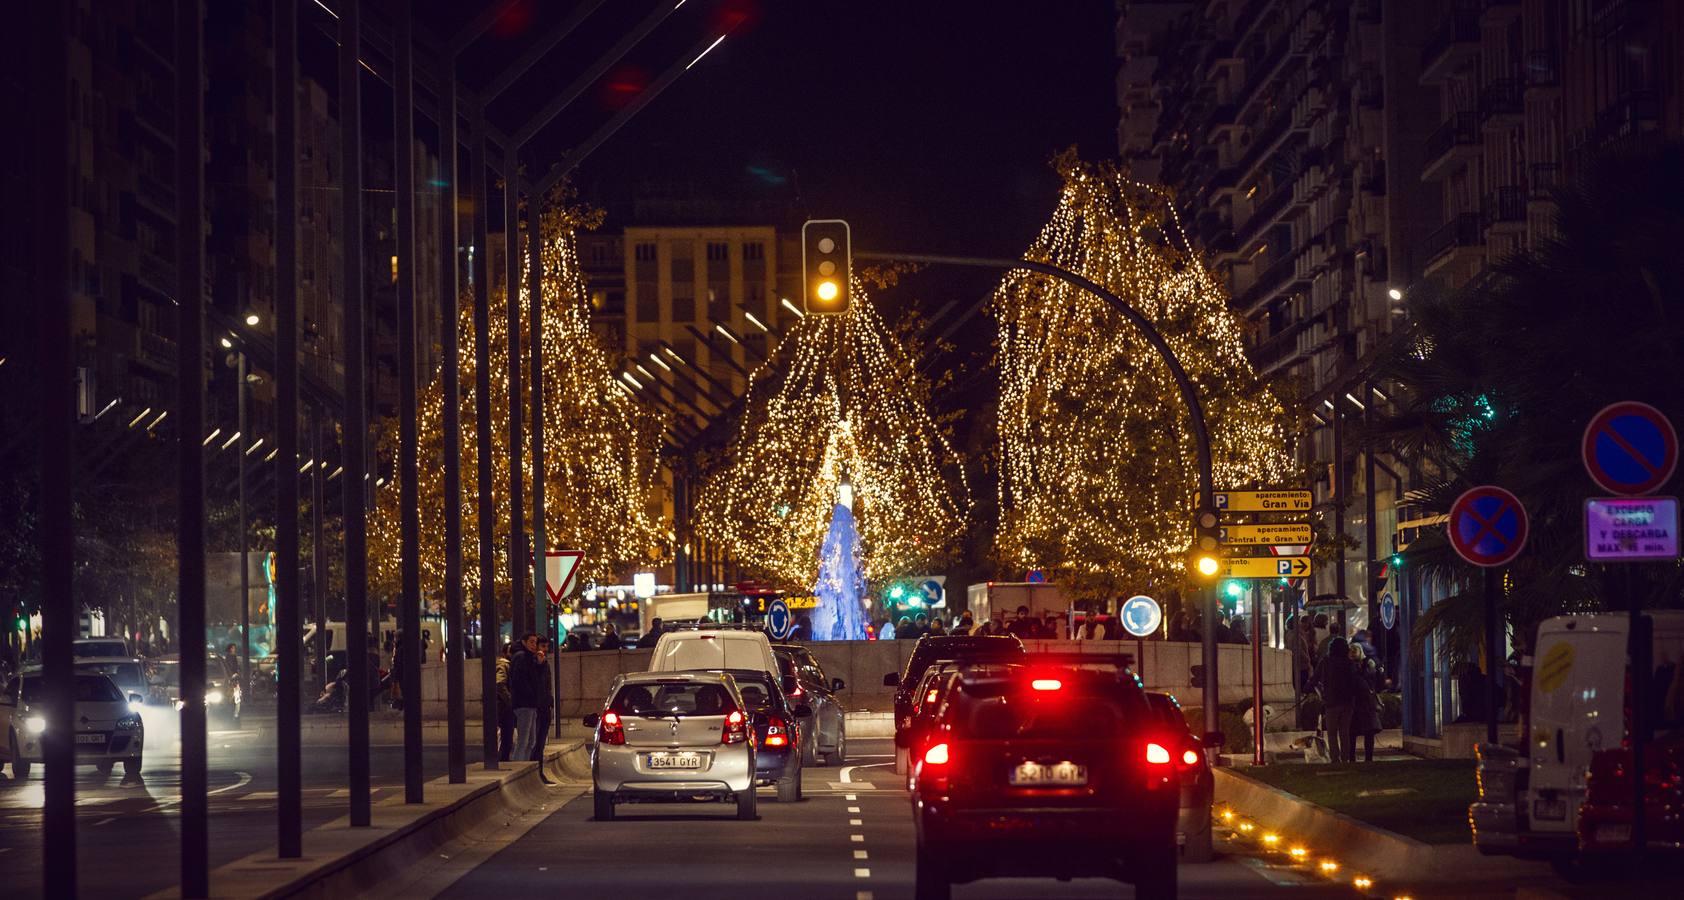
(857, 838)
(850, 797)
(848, 774)
(862, 873)
(856, 822)
(105, 821)
(862, 895)
(853, 809)
(861, 854)
(342, 792)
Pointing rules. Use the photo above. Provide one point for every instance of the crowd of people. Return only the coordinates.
(1346, 673)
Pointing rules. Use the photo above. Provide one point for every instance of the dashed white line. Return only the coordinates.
(853, 809)
(857, 838)
(850, 796)
(105, 821)
(862, 895)
(862, 873)
(861, 854)
(856, 822)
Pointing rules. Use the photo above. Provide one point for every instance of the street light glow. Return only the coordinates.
(721, 329)
(633, 381)
(757, 323)
(252, 319)
(1395, 294)
(791, 307)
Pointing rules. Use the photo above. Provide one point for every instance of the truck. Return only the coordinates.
(1000, 599)
(714, 606)
(1565, 793)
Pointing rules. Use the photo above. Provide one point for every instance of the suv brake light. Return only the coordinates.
(1190, 757)
(1156, 754)
(937, 755)
(612, 730)
(777, 732)
(736, 728)
(1046, 684)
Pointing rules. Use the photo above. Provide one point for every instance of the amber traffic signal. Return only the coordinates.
(826, 267)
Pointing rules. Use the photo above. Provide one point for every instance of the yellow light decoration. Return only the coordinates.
(1298, 853)
(1329, 867)
(601, 448)
(1362, 882)
(841, 395)
(1098, 467)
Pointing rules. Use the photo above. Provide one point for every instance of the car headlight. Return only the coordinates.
(35, 724)
(130, 722)
(214, 697)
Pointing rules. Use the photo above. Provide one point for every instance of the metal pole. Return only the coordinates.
(318, 548)
(490, 640)
(1493, 653)
(409, 612)
(1255, 594)
(288, 621)
(1339, 511)
(535, 326)
(681, 532)
(1189, 396)
(49, 243)
(450, 291)
(245, 545)
(521, 616)
(356, 411)
(1641, 651)
(190, 380)
(1371, 538)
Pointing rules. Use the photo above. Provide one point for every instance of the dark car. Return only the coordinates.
(777, 731)
(927, 651)
(926, 704)
(828, 727)
(1053, 767)
(1198, 786)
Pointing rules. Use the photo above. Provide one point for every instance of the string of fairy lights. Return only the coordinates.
(840, 397)
(1097, 470)
(601, 456)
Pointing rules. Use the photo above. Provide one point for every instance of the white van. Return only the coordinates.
(1531, 802)
(714, 648)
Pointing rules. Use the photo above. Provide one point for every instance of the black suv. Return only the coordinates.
(959, 648)
(1053, 767)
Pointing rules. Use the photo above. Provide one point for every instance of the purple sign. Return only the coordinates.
(1628, 529)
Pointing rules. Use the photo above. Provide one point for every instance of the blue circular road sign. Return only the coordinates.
(777, 619)
(1141, 615)
(1630, 448)
(1388, 610)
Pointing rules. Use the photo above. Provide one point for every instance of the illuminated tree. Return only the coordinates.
(840, 398)
(601, 448)
(1098, 470)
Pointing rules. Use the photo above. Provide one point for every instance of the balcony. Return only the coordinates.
(157, 273)
(1543, 70)
(1451, 145)
(1454, 43)
(1448, 241)
(1502, 102)
(156, 194)
(1505, 208)
(155, 350)
(1610, 17)
(1631, 113)
(1546, 178)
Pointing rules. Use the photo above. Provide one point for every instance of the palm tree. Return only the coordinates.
(1496, 383)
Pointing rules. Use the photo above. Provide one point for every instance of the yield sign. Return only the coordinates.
(560, 569)
(1630, 448)
(1487, 526)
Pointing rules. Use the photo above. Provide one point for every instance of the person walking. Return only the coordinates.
(1023, 626)
(1336, 679)
(610, 637)
(1300, 642)
(651, 637)
(965, 624)
(525, 673)
(1365, 703)
(545, 709)
(505, 706)
(936, 628)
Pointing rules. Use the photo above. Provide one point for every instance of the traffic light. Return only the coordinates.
(1206, 562)
(1233, 589)
(826, 267)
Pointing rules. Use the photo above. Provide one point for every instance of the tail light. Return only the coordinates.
(1190, 758)
(612, 730)
(798, 692)
(1156, 754)
(736, 728)
(777, 732)
(937, 755)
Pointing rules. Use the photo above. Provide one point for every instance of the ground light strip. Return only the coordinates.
(1299, 855)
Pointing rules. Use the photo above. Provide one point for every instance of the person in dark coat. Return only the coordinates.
(546, 708)
(610, 637)
(526, 684)
(1335, 678)
(1365, 703)
(651, 637)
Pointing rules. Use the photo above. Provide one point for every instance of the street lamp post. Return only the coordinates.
(245, 545)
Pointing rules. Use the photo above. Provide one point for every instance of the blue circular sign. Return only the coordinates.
(1141, 615)
(1487, 526)
(1388, 611)
(1630, 448)
(777, 619)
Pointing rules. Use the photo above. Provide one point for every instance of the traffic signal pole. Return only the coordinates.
(1189, 396)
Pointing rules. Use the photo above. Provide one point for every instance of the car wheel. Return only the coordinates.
(747, 809)
(903, 760)
(604, 806)
(1199, 847)
(131, 767)
(930, 881)
(810, 748)
(1157, 878)
(20, 766)
(840, 755)
(105, 767)
(789, 786)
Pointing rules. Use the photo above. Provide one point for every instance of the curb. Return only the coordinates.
(1383, 854)
(341, 861)
(865, 724)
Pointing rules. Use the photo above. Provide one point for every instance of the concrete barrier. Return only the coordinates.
(1164, 666)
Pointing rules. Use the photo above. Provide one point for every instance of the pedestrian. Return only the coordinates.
(1320, 633)
(651, 637)
(936, 628)
(1335, 629)
(921, 625)
(1237, 631)
(545, 709)
(525, 673)
(965, 624)
(1336, 679)
(1023, 626)
(375, 676)
(610, 637)
(904, 630)
(1365, 703)
(1300, 642)
(394, 675)
(505, 706)
(1180, 627)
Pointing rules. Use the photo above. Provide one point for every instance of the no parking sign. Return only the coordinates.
(1487, 526)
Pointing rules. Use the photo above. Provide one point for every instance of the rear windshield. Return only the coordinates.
(758, 696)
(99, 648)
(89, 689)
(1001, 712)
(125, 674)
(682, 698)
(928, 651)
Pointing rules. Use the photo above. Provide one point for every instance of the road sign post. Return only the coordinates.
(778, 619)
(1141, 616)
(1487, 527)
(1267, 567)
(1264, 501)
(1269, 534)
(1630, 448)
(561, 569)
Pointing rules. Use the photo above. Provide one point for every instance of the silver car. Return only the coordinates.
(108, 729)
(675, 737)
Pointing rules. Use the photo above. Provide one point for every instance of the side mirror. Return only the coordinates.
(891, 680)
(803, 711)
(1215, 739)
(136, 698)
(591, 720)
(837, 684)
(788, 683)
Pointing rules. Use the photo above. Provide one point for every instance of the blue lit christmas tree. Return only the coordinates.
(840, 612)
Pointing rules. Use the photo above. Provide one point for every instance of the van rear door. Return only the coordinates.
(1578, 693)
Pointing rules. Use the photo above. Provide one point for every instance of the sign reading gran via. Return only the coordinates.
(1263, 501)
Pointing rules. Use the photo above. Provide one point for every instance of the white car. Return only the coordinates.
(108, 728)
(715, 648)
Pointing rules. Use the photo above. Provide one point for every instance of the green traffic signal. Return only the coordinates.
(1233, 589)
(896, 592)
